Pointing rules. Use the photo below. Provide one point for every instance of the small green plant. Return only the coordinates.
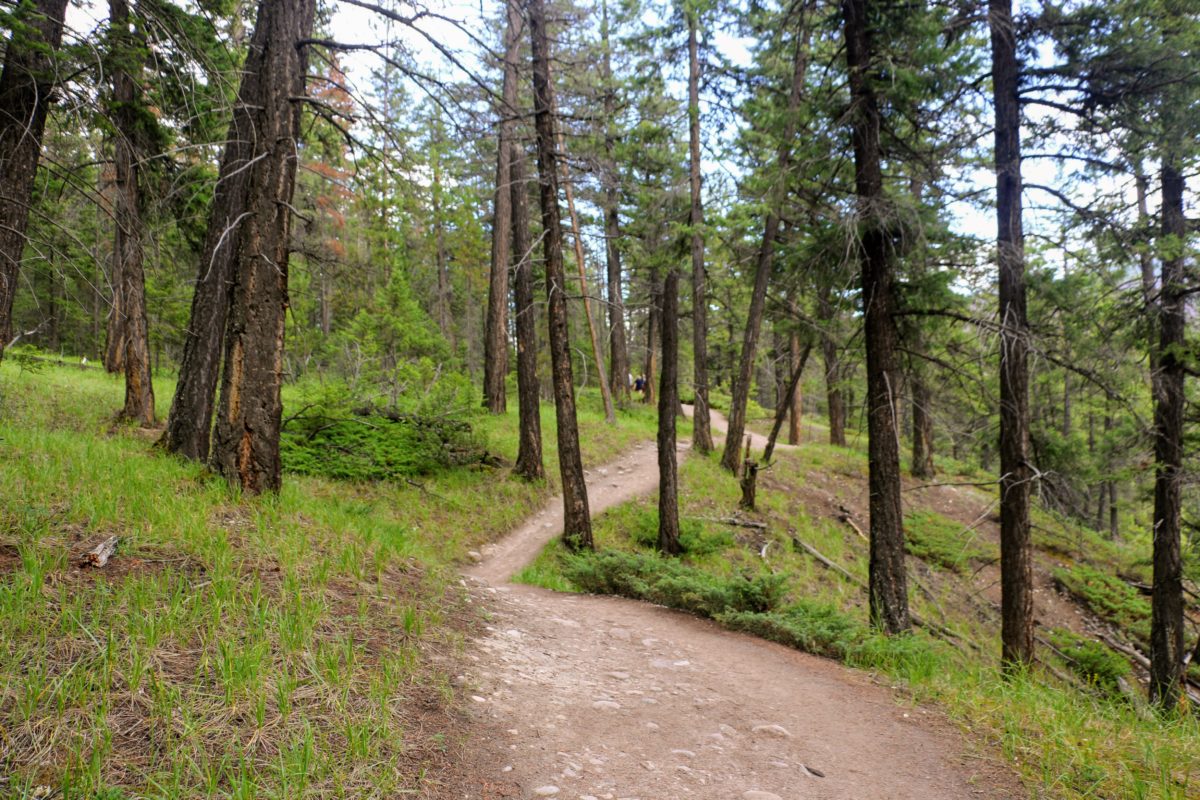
(1108, 597)
(1091, 660)
(942, 541)
(670, 583)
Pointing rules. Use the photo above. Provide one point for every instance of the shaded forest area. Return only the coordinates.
(956, 231)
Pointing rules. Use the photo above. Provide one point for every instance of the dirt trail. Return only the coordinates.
(601, 698)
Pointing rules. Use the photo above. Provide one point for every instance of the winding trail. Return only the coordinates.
(601, 698)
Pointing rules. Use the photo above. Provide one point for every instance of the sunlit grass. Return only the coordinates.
(234, 647)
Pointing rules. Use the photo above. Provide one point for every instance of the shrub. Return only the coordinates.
(1091, 660)
(336, 436)
(933, 538)
(669, 583)
(1108, 597)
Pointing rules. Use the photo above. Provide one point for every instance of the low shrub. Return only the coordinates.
(939, 540)
(1091, 660)
(1108, 597)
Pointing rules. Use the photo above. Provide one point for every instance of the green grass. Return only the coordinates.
(1108, 597)
(268, 647)
(942, 541)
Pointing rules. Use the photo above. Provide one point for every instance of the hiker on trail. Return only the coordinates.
(639, 384)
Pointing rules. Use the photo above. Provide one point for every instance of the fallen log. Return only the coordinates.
(99, 555)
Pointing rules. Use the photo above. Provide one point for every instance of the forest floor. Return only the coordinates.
(580, 696)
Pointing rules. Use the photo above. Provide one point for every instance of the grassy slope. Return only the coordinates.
(274, 647)
(1068, 739)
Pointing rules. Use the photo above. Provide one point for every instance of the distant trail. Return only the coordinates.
(602, 698)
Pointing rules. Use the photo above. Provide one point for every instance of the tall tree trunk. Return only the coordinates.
(731, 455)
(835, 403)
(127, 244)
(887, 578)
(796, 360)
(702, 439)
(668, 401)
(529, 450)
(189, 423)
(26, 91)
(653, 326)
(619, 365)
(114, 336)
(495, 341)
(577, 522)
(790, 393)
(1016, 475)
(922, 428)
(246, 440)
(610, 415)
(1166, 601)
(445, 324)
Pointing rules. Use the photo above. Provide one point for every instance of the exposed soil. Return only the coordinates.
(599, 697)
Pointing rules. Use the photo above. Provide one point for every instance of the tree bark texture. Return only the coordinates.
(702, 439)
(246, 438)
(887, 576)
(787, 403)
(529, 449)
(26, 91)
(610, 415)
(127, 242)
(653, 326)
(189, 423)
(834, 401)
(577, 523)
(495, 341)
(668, 402)
(1166, 600)
(444, 300)
(618, 363)
(740, 389)
(1016, 475)
(922, 424)
(797, 357)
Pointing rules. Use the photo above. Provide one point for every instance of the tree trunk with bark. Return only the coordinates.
(618, 363)
(1166, 600)
(577, 523)
(796, 360)
(1016, 475)
(740, 389)
(114, 333)
(127, 242)
(653, 326)
(668, 401)
(788, 401)
(495, 341)
(887, 576)
(529, 450)
(189, 423)
(610, 415)
(834, 401)
(246, 439)
(26, 91)
(445, 323)
(702, 440)
(922, 421)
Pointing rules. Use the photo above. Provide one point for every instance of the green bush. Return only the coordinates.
(1108, 597)
(939, 540)
(335, 435)
(694, 536)
(669, 583)
(1091, 660)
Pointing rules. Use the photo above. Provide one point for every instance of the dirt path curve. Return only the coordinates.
(600, 698)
